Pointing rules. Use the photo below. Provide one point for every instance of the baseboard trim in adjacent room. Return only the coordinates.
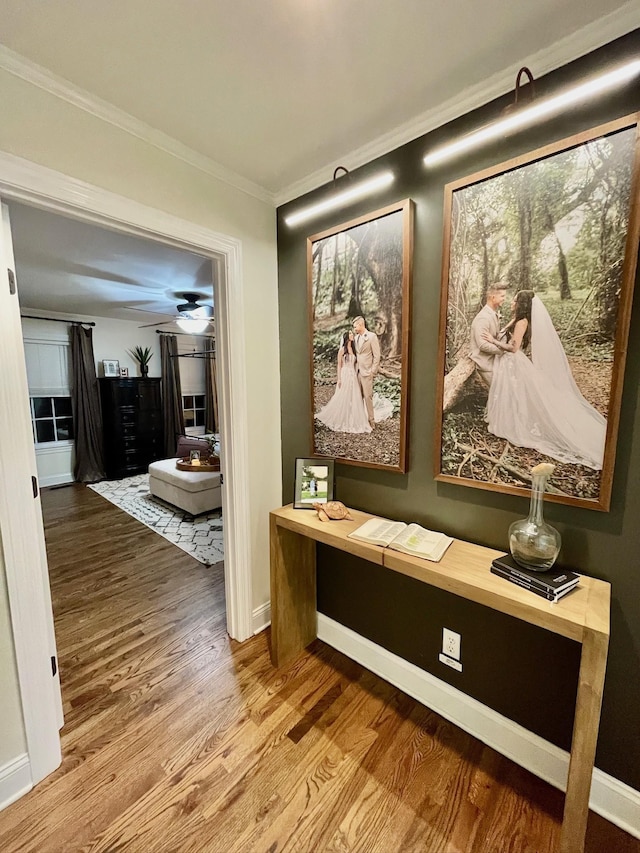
(55, 480)
(15, 780)
(610, 798)
(261, 617)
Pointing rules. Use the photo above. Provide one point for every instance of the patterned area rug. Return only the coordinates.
(200, 536)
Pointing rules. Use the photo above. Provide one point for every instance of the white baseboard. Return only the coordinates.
(15, 780)
(55, 480)
(261, 617)
(610, 798)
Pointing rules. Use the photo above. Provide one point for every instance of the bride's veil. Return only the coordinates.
(548, 356)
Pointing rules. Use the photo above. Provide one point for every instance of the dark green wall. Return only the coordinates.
(523, 672)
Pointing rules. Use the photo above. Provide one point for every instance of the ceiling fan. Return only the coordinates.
(191, 317)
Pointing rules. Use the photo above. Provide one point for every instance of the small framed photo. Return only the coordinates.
(124, 372)
(313, 483)
(111, 367)
(194, 456)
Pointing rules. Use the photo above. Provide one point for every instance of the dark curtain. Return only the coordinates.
(212, 424)
(172, 415)
(87, 415)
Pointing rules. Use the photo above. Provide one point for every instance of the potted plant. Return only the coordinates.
(143, 357)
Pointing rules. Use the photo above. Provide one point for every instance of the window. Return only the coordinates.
(52, 419)
(193, 407)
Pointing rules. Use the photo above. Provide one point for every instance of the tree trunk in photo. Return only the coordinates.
(485, 270)
(361, 237)
(319, 252)
(334, 286)
(610, 273)
(383, 260)
(456, 382)
(524, 219)
(354, 309)
(563, 271)
(565, 290)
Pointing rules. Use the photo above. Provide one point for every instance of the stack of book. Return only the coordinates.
(552, 584)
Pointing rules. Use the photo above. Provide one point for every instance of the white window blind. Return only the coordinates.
(48, 368)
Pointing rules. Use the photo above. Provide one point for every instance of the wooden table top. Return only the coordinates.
(465, 570)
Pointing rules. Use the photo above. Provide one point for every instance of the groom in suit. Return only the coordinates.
(487, 320)
(368, 362)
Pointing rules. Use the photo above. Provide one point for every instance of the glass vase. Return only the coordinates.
(533, 543)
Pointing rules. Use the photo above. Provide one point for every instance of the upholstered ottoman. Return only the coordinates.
(194, 492)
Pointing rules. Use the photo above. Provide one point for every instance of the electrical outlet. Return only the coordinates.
(451, 643)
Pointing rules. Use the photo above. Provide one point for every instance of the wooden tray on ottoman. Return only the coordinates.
(213, 464)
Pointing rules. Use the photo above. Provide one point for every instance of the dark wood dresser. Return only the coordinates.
(132, 425)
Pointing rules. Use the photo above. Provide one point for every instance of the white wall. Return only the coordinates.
(49, 131)
(111, 338)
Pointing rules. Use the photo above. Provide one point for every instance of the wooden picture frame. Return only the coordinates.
(361, 268)
(561, 223)
(313, 482)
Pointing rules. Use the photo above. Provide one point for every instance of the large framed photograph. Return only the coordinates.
(539, 267)
(359, 279)
(313, 482)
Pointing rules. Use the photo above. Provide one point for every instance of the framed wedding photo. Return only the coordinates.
(313, 482)
(359, 282)
(539, 265)
(111, 367)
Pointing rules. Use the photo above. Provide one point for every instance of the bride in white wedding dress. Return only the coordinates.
(346, 410)
(536, 402)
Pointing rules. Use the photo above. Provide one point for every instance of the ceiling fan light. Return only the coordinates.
(192, 325)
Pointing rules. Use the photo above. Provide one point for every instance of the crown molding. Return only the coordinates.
(46, 80)
(583, 41)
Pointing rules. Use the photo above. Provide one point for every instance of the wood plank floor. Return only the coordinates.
(179, 740)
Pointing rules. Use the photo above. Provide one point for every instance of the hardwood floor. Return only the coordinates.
(178, 739)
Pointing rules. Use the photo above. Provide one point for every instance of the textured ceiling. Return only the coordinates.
(276, 90)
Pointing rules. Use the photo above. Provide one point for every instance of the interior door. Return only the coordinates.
(22, 535)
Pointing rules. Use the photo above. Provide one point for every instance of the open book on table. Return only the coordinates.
(408, 538)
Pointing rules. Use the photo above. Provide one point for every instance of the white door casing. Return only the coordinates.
(23, 181)
(23, 536)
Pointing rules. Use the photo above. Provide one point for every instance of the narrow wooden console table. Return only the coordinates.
(583, 615)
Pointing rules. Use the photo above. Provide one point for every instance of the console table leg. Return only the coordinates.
(585, 737)
(293, 593)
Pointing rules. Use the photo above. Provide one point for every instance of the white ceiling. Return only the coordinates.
(71, 267)
(276, 93)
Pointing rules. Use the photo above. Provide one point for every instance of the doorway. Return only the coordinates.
(129, 291)
(29, 600)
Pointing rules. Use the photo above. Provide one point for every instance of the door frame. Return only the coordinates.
(39, 186)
